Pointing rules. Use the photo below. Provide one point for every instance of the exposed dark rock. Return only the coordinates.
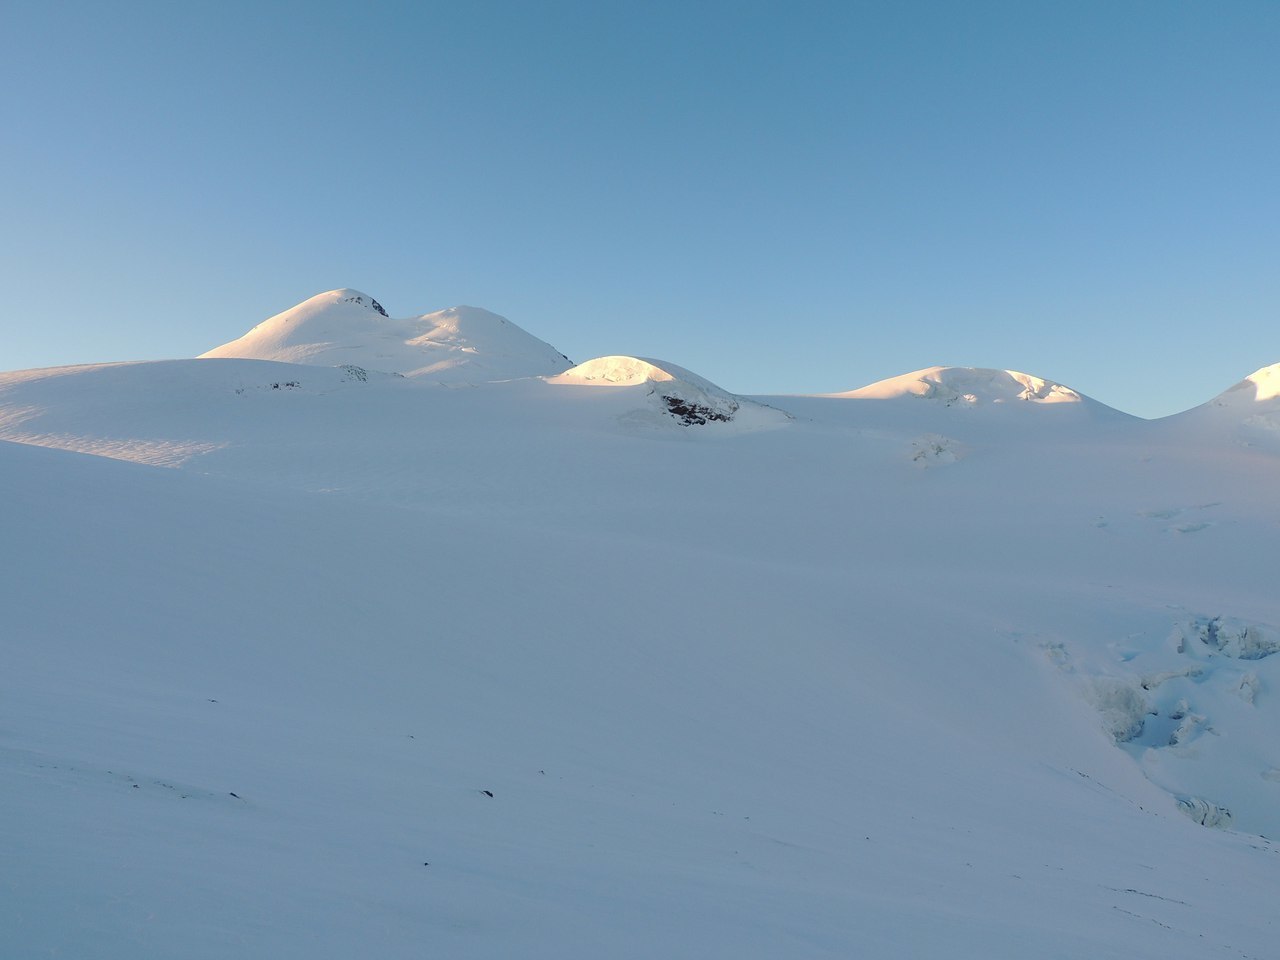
(690, 413)
(374, 304)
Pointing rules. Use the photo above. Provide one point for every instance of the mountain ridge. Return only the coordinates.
(467, 343)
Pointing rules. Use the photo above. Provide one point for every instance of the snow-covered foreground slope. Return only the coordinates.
(391, 667)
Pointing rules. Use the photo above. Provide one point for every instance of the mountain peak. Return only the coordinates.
(347, 326)
(347, 295)
(971, 386)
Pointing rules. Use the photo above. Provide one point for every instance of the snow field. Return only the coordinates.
(381, 665)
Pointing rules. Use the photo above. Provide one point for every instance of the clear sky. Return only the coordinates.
(782, 197)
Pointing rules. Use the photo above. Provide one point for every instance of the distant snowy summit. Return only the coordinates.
(664, 392)
(460, 344)
(971, 387)
(967, 385)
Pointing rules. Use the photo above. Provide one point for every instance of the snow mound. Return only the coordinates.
(632, 371)
(1246, 414)
(967, 386)
(670, 393)
(1253, 402)
(459, 344)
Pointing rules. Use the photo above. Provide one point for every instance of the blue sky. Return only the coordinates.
(794, 197)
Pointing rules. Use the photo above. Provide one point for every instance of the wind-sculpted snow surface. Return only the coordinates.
(460, 344)
(385, 665)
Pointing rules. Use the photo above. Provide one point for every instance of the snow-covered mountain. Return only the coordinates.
(349, 327)
(608, 661)
(972, 387)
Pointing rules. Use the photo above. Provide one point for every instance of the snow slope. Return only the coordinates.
(1247, 413)
(662, 395)
(346, 326)
(379, 666)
